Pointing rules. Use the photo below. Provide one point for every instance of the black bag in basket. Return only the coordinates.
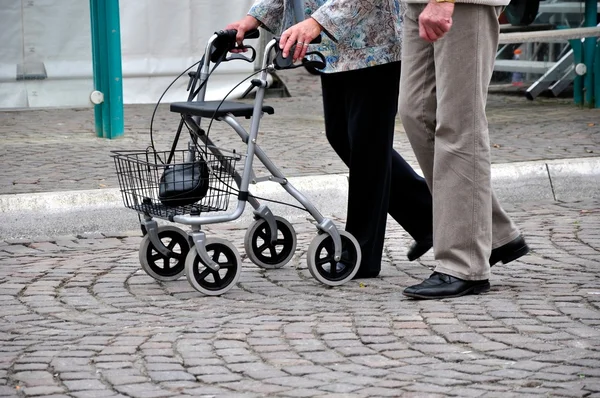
(184, 184)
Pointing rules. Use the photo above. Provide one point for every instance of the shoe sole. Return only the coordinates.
(523, 250)
(472, 290)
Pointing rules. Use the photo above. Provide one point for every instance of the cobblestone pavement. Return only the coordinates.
(56, 149)
(79, 318)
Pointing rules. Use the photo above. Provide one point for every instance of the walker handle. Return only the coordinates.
(231, 33)
(225, 42)
(251, 34)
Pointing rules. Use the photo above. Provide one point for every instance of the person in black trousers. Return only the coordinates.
(360, 84)
(359, 124)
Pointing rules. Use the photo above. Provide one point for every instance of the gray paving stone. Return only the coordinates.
(94, 394)
(236, 359)
(84, 384)
(30, 366)
(170, 376)
(161, 359)
(323, 357)
(113, 365)
(34, 378)
(219, 378)
(293, 381)
(299, 393)
(361, 370)
(42, 391)
(380, 392)
(265, 374)
(163, 367)
(144, 390)
(117, 378)
(340, 388)
(248, 386)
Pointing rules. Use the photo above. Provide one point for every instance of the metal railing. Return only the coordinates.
(571, 52)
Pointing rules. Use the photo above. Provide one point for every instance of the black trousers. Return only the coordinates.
(360, 107)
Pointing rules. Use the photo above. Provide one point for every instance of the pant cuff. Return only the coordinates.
(503, 241)
(460, 275)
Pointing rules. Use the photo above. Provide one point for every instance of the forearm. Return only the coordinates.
(335, 16)
(269, 13)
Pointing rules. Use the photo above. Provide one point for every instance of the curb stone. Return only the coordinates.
(50, 213)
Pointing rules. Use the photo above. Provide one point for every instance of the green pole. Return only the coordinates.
(97, 70)
(108, 76)
(591, 20)
(577, 47)
(597, 76)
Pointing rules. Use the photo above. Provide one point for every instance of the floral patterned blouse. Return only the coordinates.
(358, 33)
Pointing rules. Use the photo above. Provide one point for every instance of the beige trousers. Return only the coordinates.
(443, 94)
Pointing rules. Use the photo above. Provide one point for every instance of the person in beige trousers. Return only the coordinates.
(448, 58)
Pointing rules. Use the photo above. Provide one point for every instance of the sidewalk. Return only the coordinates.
(56, 149)
(79, 318)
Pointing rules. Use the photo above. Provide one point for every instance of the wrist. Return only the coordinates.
(316, 24)
(252, 22)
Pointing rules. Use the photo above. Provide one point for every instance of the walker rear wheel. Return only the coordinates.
(265, 254)
(321, 262)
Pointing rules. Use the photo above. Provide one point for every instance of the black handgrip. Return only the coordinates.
(231, 34)
(225, 42)
(252, 34)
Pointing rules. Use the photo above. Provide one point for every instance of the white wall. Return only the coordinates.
(159, 39)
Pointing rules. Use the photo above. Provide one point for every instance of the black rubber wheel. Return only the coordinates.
(159, 266)
(265, 254)
(322, 265)
(203, 278)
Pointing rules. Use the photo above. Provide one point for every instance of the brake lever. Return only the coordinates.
(288, 62)
(241, 56)
(321, 63)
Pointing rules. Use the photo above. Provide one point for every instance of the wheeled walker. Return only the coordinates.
(192, 186)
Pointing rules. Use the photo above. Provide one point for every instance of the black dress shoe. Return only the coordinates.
(418, 248)
(439, 286)
(509, 252)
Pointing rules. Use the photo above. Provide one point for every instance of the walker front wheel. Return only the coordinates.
(203, 278)
(159, 266)
(321, 262)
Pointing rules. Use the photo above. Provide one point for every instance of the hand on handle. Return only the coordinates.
(242, 26)
(303, 34)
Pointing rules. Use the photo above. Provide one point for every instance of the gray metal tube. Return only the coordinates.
(214, 219)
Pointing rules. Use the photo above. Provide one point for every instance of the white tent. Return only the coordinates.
(46, 56)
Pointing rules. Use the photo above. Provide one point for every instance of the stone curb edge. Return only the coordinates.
(558, 180)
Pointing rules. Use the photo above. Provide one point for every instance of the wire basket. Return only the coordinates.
(141, 179)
